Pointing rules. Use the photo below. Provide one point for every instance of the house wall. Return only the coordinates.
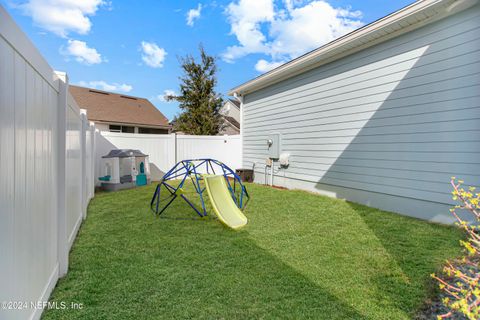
(387, 126)
(231, 110)
(137, 129)
(102, 126)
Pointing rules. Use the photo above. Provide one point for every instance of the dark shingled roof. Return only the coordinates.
(112, 107)
(235, 102)
(232, 121)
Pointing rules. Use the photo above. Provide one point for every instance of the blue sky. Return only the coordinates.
(133, 46)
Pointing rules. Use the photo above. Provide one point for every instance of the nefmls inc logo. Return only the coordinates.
(57, 305)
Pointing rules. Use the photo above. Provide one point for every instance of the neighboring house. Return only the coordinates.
(231, 115)
(120, 113)
(231, 118)
(383, 116)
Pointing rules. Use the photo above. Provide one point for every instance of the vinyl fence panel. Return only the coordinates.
(74, 173)
(159, 147)
(90, 160)
(28, 229)
(41, 138)
(165, 150)
(227, 149)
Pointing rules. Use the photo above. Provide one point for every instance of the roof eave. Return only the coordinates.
(421, 12)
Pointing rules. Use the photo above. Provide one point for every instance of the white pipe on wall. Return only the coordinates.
(271, 174)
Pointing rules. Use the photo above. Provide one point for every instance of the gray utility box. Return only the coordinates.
(273, 143)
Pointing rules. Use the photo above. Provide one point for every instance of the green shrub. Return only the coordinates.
(460, 281)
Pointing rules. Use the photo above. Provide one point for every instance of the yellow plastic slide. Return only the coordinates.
(223, 204)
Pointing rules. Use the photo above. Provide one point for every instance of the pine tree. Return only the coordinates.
(199, 102)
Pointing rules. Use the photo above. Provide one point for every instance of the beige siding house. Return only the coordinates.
(231, 116)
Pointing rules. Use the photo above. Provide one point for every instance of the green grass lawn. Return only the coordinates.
(302, 256)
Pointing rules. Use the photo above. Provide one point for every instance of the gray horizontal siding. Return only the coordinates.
(378, 84)
(449, 33)
(398, 119)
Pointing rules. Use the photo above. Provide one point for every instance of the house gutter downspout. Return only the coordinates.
(239, 98)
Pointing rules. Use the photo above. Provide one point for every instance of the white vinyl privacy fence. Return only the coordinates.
(166, 150)
(46, 174)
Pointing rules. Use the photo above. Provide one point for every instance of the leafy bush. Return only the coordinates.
(460, 282)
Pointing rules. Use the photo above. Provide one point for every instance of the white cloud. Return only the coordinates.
(309, 27)
(263, 65)
(102, 85)
(152, 54)
(62, 16)
(166, 93)
(82, 53)
(245, 18)
(283, 33)
(194, 14)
